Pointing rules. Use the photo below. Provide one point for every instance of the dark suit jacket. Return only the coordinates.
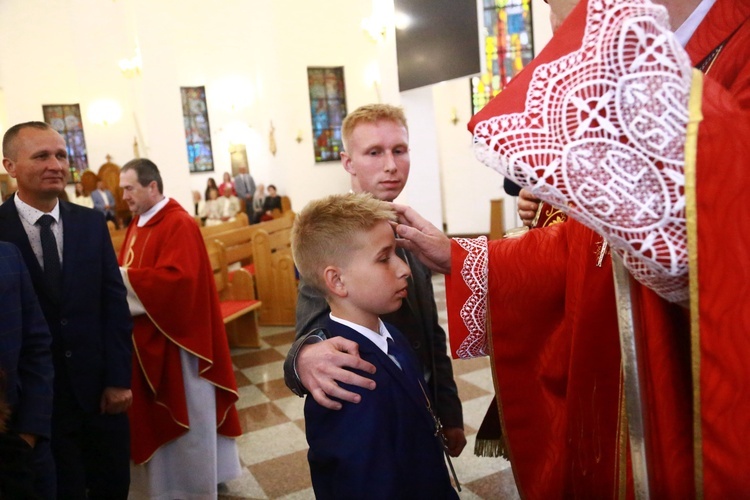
(25, 355)
(91, 326)
(382, 447)
(417, 319)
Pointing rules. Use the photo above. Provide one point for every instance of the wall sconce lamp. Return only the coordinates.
(104, 112)
(299, 136)
(454, 117)
(375, 28)
(131, 68)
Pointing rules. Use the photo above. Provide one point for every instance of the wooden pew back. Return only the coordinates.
(240, 220)
(275, 276)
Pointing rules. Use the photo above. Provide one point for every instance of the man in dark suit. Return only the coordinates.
(376, 141)
(26, 464)
(84, 302)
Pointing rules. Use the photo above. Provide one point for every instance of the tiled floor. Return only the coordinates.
(273, 449)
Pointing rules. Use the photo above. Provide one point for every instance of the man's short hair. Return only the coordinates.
(324, 232)
(371, 113)
(147, 172)
(9, 150)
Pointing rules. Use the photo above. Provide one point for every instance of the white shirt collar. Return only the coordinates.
(685, 32)
(148, 214)
(379, 338)
(31, 214)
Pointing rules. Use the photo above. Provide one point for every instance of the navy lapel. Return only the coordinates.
(411, 387)
(71, 242)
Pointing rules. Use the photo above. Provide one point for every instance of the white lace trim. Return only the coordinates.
(474, 311)
(602, 137)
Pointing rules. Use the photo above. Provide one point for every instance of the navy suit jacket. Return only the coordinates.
(25, 355)
(417, 318)
(91, 326)
(384, 446)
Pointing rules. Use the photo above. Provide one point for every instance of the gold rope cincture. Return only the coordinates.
(691, 212)
(631, 358)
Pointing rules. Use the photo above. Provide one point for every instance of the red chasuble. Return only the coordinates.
(169, 269)
(553, 334)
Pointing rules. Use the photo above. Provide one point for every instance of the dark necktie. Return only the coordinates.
(52, 268)
(401, 357)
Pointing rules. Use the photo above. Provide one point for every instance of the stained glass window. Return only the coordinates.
(197, 130)
(66, 119)
(508, 47)
(327, 109)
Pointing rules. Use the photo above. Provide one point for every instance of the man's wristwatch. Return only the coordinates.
(291, 377)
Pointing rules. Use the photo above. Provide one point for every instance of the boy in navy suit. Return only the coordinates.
(385, 446)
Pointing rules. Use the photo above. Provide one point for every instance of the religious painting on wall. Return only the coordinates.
(327, 110)
(66, 119)
(508, 47)
(238, 157)
(197, 130)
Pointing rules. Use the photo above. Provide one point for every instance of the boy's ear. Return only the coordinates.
(334, 281)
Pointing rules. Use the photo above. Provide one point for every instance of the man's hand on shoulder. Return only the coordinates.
(115, 400)
(321, 365)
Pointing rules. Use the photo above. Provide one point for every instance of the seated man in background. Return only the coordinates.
(229, 206)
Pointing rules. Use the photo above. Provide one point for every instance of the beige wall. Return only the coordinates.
(251, 54)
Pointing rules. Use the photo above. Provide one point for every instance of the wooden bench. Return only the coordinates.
(238, 246)
(239, 307)
(275, 276)
(118, 238)
(240, 220)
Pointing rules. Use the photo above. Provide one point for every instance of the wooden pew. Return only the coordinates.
(239, 307)
(238, 246)
(118, 238)
(275, 277)
(240, 220)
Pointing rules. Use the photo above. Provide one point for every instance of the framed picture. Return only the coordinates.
(238, 155)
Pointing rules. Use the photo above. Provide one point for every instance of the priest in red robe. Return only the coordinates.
(543, 305)
(183, 418)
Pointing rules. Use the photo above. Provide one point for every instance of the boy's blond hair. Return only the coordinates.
(325, 232)
(371, 113)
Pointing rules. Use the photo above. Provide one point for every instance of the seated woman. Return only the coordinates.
(81, 197)
(211, 210)
(272, 202)
(210, 184)
(258, 198)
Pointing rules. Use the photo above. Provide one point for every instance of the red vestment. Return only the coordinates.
(169, 270)
(554, 335)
